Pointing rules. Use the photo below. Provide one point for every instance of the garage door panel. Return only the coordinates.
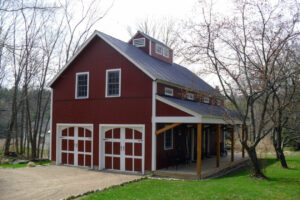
(71, 131)
(80, 145)
(128, 164)
(71, 158)
(64, 132)
(88, 146)
(116, 163)
(64, 158)
(81, 159)
(64, 144)
(137, 135)
(116, 132)
(71, 145)
(116, 148)
(138, 165)
(128, 133)
(138, 149)
(108, 147)
(88, 160)
(128, 148)
(108, 162)
(108, 134)
(88, 133)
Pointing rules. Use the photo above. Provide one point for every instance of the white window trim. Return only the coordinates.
(164, 52)
(139, 45)
(219, 102)
(206, 100)
(88, 85)
(106, 85)
(162, 49)
(171, 91)
(172, 141)
(190, 96)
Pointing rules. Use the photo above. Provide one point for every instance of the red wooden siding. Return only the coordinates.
(161, 57)
(133, 107)
(163, 109)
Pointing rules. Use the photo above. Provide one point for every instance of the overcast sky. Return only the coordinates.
(126, 13)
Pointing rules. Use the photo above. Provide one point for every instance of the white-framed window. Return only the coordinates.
(139, 42)
(219, 102)
(82, 85)
(206, 99)
(190, 96)
(168, 139)
(166, 52)
(113, 83)
(158, 49)
(168, 91)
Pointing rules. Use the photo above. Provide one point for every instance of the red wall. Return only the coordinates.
(133, 107)
(163, 109)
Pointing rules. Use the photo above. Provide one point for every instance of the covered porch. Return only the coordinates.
(199, 146)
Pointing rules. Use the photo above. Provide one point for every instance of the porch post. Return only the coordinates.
(218, 144)
(232, 144)
(199, 147)
(243, 138)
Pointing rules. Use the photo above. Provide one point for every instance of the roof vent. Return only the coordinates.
(139, 42)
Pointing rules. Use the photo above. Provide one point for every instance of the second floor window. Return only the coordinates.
(113, 83)
(158, 49)
(82, 85)
(169, 91)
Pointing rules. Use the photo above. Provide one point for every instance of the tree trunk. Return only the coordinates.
(255, 163)
(278, 147)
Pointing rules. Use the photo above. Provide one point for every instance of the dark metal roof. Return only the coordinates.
(172, 73)
(202, 108)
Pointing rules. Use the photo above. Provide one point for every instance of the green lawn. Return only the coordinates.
(283, 184)
(22, 165)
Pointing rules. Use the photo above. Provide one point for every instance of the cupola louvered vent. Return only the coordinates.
(140, 42)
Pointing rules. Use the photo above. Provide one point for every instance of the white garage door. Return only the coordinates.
(75, 145)
(122, 148)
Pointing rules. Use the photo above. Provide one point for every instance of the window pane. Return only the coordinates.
(113, 83)
(82, 85)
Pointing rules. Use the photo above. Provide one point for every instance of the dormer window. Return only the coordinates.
(139, 42)
(190, 96)
(206, 100)
(166, 52)
(219, 102)
(158, 49)
(168, 91)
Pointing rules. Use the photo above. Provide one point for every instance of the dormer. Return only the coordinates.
(152, 47)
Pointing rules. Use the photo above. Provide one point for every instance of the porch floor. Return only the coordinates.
(208, 169)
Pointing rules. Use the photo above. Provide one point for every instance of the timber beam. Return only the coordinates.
(166, 128)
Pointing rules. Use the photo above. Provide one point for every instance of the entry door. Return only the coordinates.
(123, 149)
(76, 146)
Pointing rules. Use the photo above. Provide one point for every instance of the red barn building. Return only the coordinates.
(126, 106)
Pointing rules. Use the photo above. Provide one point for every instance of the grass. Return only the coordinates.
(283, 184)
(22, 165)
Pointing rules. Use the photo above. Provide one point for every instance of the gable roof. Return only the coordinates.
(154, 68)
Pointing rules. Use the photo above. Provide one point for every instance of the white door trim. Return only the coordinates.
(102, 129)
(60, 127)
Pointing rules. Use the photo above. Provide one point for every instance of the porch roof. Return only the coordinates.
(205, 110)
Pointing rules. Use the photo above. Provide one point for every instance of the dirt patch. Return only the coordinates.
(55, 182)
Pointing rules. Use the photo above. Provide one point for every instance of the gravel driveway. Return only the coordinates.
(55, 182)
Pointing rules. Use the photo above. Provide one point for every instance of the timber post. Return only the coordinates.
(218, 144)
(199, 148)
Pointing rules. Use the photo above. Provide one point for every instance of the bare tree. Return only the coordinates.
(243, 50)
